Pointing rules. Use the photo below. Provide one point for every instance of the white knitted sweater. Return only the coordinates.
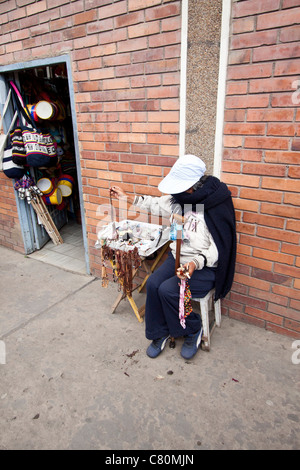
(198, 244)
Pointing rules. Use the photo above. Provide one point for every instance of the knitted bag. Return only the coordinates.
(36, 147)
(4, 136)
(10, 169)
(18, 147)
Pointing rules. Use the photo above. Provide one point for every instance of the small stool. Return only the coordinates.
(204, 312)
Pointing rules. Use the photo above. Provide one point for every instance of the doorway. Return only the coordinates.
(50, 80)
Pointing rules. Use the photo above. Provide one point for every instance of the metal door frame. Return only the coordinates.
(27, 229)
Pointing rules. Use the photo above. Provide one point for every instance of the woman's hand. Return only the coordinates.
(186, 271)
(118, 192)
(177, 218)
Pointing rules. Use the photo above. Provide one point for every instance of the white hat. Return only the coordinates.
(185, 172)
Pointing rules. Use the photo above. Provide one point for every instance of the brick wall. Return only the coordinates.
(262, 161)
(126, 61)
(126, 67)
(10, 230)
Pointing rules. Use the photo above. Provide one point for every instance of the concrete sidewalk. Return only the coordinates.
(77, 377)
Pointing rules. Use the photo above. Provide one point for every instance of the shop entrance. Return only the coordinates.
(48, 83)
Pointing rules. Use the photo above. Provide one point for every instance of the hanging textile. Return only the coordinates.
(185, 302)
(123, 262)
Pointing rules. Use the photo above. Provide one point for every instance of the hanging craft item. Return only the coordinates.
(123, 262)
(40, 148)
(4, 136)
(55, 198)
(103, 271)
(28, 190)
(45, 185)
(124, 244)
(176, 234)
(128, 234)
(18, 147)
(46, 110)
(10, 169)
(51, 195)
(185, 298)
(65, 183)
(31, 112)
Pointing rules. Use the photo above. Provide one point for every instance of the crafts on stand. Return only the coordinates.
(29, 191)
(125, 244)
(127, 235)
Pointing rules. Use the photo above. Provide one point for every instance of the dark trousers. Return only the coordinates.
(162, 303)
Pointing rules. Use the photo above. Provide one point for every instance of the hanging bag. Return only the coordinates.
(16, 137)
(40, 149)
(10, 169)
(3, 136)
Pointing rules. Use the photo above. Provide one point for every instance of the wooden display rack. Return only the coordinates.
(139, 312)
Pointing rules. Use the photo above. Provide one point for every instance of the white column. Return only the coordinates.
(223, 62)
(183, 75)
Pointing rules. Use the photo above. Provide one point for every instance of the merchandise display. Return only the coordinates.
(126, 246)
(65, 183)
(29, 191)
(128, 234)
(40, 141)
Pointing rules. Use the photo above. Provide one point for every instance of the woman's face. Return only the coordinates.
(190, 191)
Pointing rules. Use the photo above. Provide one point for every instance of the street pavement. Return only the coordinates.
(73, 376)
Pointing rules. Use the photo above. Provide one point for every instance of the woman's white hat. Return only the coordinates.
(185, 172)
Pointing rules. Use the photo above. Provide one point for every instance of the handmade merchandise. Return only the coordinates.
(18, 147)
(45, 185)
(55, 189)
(65, 184)
(3, 136)
(10, 169)
(30, 145)
(185, 295)
(46, 145)
(123, 263)
(46, 110)
(185, 304)
(127, 235)
(124, 244)
(28, 190)
(54, 199)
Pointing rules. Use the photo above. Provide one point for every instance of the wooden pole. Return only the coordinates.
(46, 219)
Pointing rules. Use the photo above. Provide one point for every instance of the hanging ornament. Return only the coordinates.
(185, 301)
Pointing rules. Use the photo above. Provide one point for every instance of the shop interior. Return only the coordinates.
(46, 96)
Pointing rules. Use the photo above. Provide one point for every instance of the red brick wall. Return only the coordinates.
(10, 230)
(126, 61)
(262, 162)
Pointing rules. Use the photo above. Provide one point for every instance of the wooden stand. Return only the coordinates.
(139, 312)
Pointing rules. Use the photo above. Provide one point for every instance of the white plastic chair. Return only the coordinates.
(205, 304)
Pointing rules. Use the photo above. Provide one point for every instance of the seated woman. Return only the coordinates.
(208, 249)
